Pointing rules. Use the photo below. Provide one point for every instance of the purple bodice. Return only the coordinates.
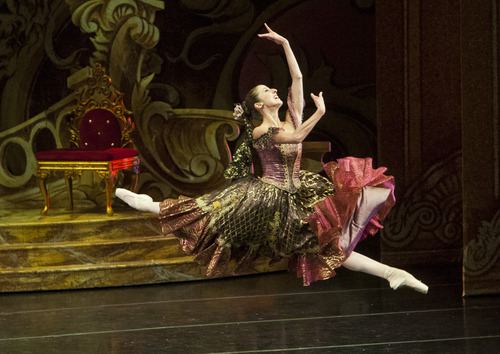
(280, 162)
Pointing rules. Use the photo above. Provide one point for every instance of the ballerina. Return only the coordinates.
(313, 222)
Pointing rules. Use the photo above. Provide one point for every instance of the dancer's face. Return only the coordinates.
(268, 97)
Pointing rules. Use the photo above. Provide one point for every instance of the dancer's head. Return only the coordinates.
(258, 98)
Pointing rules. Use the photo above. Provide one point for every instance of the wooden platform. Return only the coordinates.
(88, 249)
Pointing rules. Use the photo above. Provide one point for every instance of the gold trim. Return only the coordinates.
(99, 93)
(107, 170)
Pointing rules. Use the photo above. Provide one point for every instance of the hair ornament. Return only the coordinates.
(238, 112)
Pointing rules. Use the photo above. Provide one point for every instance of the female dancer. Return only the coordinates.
(287, 213)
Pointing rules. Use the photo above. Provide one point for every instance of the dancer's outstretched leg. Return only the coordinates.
(397, 278)
(141, 202)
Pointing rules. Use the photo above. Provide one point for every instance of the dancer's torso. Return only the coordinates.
(280, 162)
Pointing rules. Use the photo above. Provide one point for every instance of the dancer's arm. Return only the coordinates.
(297, 136)
(295, 73)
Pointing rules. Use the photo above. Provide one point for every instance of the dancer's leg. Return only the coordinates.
(141, 202)
(397, 277)
(369, 202)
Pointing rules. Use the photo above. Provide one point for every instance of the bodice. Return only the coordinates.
(280, 162)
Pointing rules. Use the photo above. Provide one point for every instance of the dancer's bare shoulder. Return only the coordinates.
(260, 130)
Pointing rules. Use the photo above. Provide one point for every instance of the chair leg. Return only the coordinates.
(135, 179)
(43, 189)
(69, 188)
(110, 178)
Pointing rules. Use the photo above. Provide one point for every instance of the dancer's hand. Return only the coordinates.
(273, 36)
(319, 102)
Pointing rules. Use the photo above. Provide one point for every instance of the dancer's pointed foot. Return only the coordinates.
(136, 201)
(398, 278)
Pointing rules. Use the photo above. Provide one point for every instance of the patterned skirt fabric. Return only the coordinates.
(227, 230)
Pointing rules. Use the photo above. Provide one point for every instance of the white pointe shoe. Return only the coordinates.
(136, 201)
(398, 278)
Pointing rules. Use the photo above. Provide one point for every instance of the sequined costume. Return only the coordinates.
(286, 213)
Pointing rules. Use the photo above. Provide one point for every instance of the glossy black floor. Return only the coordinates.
(352, 313)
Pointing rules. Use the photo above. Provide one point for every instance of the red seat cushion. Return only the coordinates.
(85, 155)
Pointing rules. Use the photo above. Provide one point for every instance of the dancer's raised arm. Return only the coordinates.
(295, 73)
(299, 134)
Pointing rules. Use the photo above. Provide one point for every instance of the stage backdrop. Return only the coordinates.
(412, 84)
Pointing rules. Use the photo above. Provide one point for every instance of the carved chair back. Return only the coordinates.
(100, 120)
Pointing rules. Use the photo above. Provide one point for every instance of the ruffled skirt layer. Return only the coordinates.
(315, 227)
(363, 198)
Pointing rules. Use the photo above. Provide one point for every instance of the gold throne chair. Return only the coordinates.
(100, 128)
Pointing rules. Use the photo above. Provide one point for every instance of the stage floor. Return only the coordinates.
(352, 313)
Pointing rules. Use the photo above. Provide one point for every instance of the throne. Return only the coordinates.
(100, 127)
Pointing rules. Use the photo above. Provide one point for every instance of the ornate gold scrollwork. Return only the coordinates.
(105, 175)
(73, 174)
(184, 150)
(106, 17)
(99, 93)
(42, 174)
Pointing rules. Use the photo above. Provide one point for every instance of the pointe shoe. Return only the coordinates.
(398, 278)
(136, 201)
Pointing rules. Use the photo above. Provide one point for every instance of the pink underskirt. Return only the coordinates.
(333, 221)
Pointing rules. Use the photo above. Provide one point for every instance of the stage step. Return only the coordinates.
(148, 248)
(71, 250)
(29, 226)
(100, 275)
